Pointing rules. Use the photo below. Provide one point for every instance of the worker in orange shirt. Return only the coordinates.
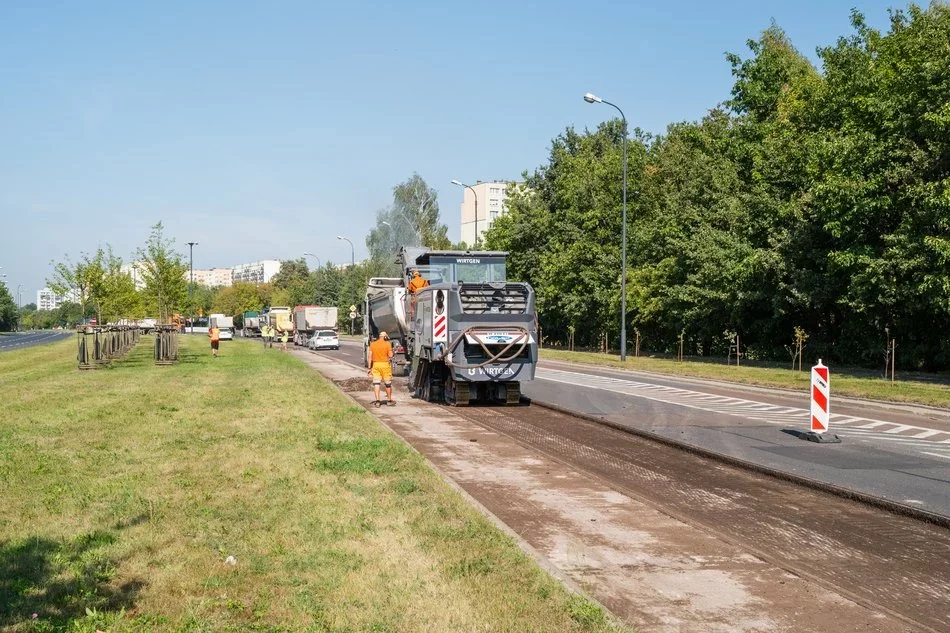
(380, 368)
(417, 283)
(214, 333)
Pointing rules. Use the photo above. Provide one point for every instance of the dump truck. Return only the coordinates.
(251, 324)
(280, 318)
(470, 335)
(309, 319)
(225, 325)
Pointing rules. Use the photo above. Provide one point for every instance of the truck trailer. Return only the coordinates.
(470, 335)
(251, 324)
(225, 325)
(310, 319)
(280, 318)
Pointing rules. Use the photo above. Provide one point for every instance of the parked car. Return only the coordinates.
(324, 339)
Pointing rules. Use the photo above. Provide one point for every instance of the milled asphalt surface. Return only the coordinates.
(671, 541)
(19, 340)
(900, 454)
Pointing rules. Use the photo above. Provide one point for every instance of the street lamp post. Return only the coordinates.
(462, 184)
(352, 265)
(315, 298)
(18, 307)
(315, 257)
(191, 286)
(352, 250)
(590, 98)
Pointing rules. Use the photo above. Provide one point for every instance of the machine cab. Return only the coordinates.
(455, 267)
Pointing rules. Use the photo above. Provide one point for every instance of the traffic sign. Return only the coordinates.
(353, 314)
(352, 308)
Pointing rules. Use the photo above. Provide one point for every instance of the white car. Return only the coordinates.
(324, 339)
(226, 334)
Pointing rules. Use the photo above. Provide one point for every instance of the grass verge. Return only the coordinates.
(126, 491)
(906, 390)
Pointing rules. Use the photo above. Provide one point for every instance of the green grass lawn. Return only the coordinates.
(124, 491)
(907, 389)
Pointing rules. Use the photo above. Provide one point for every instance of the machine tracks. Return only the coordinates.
(884, 561)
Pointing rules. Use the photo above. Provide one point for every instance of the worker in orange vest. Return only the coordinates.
(380, 367)
(417, 283)
(214, 333)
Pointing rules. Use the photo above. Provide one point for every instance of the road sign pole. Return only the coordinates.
(820, 405)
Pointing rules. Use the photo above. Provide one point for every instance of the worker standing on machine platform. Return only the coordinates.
(417, 283)
(380, 367)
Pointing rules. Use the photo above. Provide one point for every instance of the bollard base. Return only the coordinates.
(821, 438)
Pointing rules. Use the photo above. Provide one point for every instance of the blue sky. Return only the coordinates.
(264, 130)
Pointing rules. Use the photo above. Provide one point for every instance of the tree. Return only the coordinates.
(417, 204)
(292, 272)
(8, 310)
(562, 231)
(80, 280)
(392, 231)
(234, 300)
(202, 297)
(163, 270)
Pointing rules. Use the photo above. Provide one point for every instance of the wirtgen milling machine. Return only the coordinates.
(470, 335)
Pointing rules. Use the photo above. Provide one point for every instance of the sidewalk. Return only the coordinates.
(650, 570)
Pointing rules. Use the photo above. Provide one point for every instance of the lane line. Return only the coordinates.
(749, 409)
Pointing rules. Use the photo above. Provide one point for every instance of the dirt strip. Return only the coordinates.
(651, 570)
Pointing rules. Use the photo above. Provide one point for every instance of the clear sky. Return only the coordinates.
(262, 130)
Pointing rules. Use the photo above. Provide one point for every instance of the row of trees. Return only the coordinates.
(817, 200)
(100, 286)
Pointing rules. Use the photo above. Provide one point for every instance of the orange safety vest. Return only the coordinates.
(215, 334)
(380, 350)
(417, 283)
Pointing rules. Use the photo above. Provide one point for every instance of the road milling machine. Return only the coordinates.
(469, 336)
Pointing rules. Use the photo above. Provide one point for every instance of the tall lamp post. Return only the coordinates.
(590, 98)
(352, 265)
(191, 285)
(315, 257)
(18, 308)
(463, 185)
(316, 298)
(352, 250)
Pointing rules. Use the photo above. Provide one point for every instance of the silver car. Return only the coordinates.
(324, 339)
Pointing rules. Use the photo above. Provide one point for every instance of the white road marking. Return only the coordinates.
(868, 429)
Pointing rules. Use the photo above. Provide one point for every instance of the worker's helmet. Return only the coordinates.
(415, 272)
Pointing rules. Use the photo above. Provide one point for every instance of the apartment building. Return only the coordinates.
(46, 299)
(211, 277)
(256, 272)
(480, 208)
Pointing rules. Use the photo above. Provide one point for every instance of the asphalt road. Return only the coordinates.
(19, 340)
(892, 452)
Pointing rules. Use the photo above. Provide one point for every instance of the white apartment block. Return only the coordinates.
(256, 272)
(489, 198)
(46, 299)
(211, 277)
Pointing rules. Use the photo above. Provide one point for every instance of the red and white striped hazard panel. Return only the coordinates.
(439, 328)
(820, 398)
